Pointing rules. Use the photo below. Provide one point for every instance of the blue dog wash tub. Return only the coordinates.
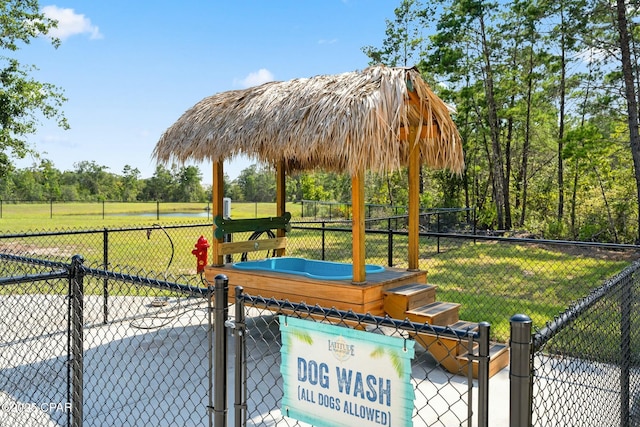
(323, 270)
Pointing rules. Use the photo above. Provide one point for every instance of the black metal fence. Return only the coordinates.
(491, 277)
(318, 209)
(441, 398)
(160, 360)
(104, 208)
(436, 219)
(62, 365)
(134, 348)
(159, 248)
(582, 368)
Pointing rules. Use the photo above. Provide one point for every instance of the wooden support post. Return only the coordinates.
(414, 202)
(358, 234)
(217, 203)
(281, 207)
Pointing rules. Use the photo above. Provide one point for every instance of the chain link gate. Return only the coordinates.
(61, 364)
(45, 286)
(440, 399)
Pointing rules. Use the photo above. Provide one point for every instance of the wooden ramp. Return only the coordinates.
(417, 302)
(399, 293)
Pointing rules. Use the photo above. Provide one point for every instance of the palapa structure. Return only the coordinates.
(378, 119)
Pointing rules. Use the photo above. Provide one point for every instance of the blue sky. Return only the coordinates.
(131, 68)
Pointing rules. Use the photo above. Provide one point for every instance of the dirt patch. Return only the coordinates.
(603, 253)
(22, 248)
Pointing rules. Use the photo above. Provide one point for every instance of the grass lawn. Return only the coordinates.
(491, 280)
(22, 217)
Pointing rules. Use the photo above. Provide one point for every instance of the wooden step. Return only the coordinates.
(436, 313)
(443, 347)
(498, 359)
(407, 297)
(463, 325)
(453, 353)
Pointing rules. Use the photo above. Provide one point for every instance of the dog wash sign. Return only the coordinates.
(336, 376)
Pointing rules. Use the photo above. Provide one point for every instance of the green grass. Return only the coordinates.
(143, 243)
(491, 280)
(21, 217)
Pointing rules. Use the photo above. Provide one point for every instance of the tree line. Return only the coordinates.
(546, 98)
(89, 181)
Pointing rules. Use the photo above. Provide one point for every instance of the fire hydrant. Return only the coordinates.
(201, 253)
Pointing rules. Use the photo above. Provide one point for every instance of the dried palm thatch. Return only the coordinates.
(366, 120)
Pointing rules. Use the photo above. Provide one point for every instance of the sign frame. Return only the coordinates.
(337, 376)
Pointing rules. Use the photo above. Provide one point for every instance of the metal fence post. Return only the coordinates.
(105, 282)
(474, 223)
(626, 299)
(389, 244)
(483, 374)
(520, 375)
(211, 350)
(240, 405)
(322, 256)
(220, 356)
(77, 354)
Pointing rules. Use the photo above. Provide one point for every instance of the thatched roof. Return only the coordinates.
(341, 122)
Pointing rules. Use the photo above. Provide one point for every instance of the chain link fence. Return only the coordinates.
(145, 335)
(159, 248)
(10, 209)
(61, 364)
(491, 277)
(152, 362)
(441, 398)
(585, 364)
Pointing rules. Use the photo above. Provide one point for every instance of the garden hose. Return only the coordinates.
(255, 236)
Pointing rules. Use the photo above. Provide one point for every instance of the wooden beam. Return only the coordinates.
(253, 245)
(217, 202)
(414, 99)
(358, 234)
(414, 204)
(230, 226)
(427, 131)
(281, 198)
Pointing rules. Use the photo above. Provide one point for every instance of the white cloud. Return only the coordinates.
(54, 139)
(327, 41)
(50, 140)
(255, 78)
(70, 23)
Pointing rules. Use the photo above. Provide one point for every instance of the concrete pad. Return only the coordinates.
(151, 367)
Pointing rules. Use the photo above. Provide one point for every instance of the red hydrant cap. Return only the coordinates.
(202, 243)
